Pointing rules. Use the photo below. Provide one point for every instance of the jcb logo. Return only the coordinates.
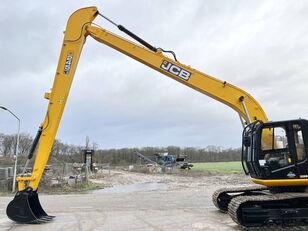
(68, 63)
(176, 70)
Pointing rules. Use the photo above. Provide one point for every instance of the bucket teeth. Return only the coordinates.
(26, 208)
(41, 220)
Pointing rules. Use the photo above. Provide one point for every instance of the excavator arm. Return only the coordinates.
(74, 39)
(234, 97)
(79, 26)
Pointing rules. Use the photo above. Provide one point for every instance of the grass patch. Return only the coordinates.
(65, 189)
(71, 189)
(220, 167)
(4, 194)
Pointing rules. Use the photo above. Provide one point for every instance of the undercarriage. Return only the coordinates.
(257, 207)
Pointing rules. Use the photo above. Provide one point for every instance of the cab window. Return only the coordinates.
(274, 148)
(299, 142)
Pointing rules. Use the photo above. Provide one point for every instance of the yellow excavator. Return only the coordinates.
(274, 154)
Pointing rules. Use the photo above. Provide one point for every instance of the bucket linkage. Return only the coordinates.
(26, 208)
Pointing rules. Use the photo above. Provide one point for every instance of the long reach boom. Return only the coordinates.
(79, 26)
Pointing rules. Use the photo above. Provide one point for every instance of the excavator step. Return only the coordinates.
(26, 208)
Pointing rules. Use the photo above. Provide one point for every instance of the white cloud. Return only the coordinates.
(259, 46)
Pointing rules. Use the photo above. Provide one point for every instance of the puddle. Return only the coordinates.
(132, 188)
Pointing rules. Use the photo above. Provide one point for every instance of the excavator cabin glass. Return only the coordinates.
(276, 150)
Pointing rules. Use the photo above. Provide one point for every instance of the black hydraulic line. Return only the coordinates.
(171, 52)
(144, 43)
(129, 33)
(137, 38)
(35, 142)
(32, 149)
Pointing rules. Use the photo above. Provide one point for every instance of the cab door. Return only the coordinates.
(298, 132)
(277, 153)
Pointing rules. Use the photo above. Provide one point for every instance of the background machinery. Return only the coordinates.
(274, 153)
(165, 160)
(169, 160)
(144, 158)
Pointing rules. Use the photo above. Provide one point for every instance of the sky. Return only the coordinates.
(258, 45)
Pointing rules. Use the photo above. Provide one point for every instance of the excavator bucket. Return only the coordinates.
(26, 208)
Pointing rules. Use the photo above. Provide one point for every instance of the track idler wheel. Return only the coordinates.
(26, 208)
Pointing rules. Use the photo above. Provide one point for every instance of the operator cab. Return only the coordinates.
(276, 150)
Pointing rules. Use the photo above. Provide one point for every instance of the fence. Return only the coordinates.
(6, 178)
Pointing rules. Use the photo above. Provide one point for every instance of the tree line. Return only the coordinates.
(74, 153)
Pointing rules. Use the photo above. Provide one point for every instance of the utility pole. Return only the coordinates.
(16, 148)
(86, 160)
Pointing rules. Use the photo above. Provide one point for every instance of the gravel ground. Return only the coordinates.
(138, 202)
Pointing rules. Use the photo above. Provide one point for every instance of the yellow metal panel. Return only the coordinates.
(282, 182)
(74, 39)
(215, 88)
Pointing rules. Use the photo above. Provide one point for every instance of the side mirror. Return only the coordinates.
(246, 141)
